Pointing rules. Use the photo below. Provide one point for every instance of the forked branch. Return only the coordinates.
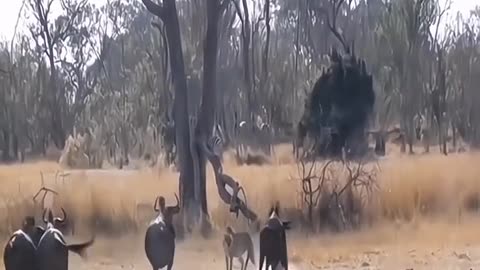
(331, 18)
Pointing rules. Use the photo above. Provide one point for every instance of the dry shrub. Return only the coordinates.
(336, 195)
(119, 201)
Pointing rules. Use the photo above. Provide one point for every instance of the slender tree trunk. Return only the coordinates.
(6, 145)
(57, 131)
(209, 97)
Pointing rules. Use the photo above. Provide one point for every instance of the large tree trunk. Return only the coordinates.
(168, 14)
(207, 109)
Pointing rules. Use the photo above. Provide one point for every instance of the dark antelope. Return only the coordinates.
(52, 250)
(235, 245)
(160, 235)
(19, 252)
(273, 243)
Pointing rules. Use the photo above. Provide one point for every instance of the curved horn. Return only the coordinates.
(178, 201)
(43, 215)
(45, 190)
(155, 208)
(176, 207)
(277, 208)
(57, 219)
(50, 215)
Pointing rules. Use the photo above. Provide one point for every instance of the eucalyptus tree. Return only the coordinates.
(48, 34)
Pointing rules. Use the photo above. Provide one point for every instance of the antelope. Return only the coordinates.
(19, 252)
(52, 250)
(273, 243)
(235, 245)
(160, 235)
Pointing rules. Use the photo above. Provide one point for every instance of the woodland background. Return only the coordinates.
(106, 68)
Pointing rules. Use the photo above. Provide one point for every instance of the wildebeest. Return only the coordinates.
(52, 250)
(19, 252)
(160, 235)
(273, 243)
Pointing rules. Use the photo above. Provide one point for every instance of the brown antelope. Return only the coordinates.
(235, 244)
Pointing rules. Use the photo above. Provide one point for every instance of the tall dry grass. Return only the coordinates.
(116, 201)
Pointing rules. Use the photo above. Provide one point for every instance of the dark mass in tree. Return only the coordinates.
(337, 109)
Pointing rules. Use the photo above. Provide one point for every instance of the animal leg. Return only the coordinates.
(240, 259)
(169, 267)
(246, 261)
(226, 262)
(261, 259)
(231, 263)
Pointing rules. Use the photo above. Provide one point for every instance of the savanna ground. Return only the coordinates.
(430, 195)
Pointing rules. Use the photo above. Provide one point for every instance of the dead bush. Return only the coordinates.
(336, 194)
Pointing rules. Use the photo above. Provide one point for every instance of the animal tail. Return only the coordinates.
(80, 248)
(251, 252)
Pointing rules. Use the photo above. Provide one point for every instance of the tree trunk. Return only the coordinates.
(192, 152)
(6, 145)
(207, 110)
(181, 113)
(168, 14)
(454, 136)
(57, 131)
(246, 38)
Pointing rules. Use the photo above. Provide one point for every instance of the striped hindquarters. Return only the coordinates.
(217, 142)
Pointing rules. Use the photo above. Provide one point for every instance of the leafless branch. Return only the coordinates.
(331, 18)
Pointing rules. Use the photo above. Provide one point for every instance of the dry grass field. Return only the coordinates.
(424, 215)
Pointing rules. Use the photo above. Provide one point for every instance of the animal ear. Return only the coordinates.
(277, 208)
(155, 205)
(43, 216)
(271, 211)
